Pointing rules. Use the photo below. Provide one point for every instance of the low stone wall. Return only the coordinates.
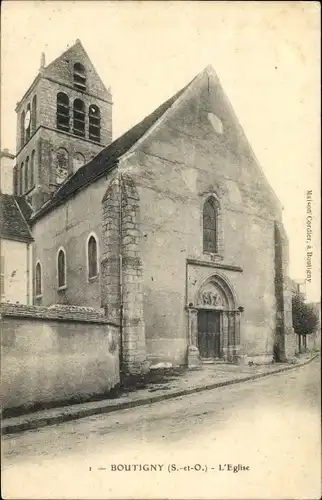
(55, 354)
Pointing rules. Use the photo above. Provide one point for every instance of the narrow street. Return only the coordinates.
(270, 428)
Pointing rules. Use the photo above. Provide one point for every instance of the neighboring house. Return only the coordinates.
(172, 228)
(15, 240)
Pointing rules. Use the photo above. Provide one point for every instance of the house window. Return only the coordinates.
(62, 112)
(34, 114)
(61, 268)
(79, 76)
(92, 257)
(27, 174)
(210, 226)
(38, 287)
(32, 169)
(94, 123)
(79, 117)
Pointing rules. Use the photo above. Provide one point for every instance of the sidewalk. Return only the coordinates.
(209, 377)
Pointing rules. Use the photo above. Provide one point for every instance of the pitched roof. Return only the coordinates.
(107, 159)
(13, 226)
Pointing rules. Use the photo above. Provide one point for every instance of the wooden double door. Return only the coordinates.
(209, 338)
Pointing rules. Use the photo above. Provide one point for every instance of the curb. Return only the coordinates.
(88, 412)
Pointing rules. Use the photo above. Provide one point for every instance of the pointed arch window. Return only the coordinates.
(26, 183)
(22, 129)
(61, 268)
(32, 168)
(79, 76)
(28, 123)
(21, 179)
(210, 226)
(79, 118)
(34, 114)
(94, 116)
(92, 256)
(38, 280)
(62, 112)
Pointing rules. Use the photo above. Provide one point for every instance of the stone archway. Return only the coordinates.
(214, 322)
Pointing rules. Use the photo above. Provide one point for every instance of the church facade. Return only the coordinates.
(172, 229)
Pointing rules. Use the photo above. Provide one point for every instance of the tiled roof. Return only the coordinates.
(13, 226)
(107, 159)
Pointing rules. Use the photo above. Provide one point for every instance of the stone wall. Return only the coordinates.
(52, 355)
(285, 339)
(175, 169)
(121, 275)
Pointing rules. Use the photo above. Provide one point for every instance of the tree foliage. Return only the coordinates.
(305, 318)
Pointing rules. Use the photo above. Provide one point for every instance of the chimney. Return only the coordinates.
(42, 60)
(6, 171)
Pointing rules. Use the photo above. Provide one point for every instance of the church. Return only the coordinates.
(172, 229)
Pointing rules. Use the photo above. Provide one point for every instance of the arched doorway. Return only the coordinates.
(215, 330)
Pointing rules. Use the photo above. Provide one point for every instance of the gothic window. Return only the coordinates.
(210, 226)
(79, 76)
(27, 123)
(32, 169)
(79, 117)
(22, 129)
(62, 112)
(94, 123)
(92, 257)
(61, 268)
(38, 287)
(15, 181)
(26, 183)
(34, 114)
(61, 165)
(21, 179)
(78, 161)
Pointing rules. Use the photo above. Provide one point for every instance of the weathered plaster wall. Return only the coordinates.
(175, 169)
(68, 226)
(16, 268)
(51, 359)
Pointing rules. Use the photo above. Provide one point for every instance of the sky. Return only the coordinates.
(266, 55)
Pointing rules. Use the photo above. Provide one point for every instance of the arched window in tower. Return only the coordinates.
(38, 284)
(79, 76)
(22, 129)
(34, 114)
(94, 116)
(92, 257)
(78, 161)
(79, 118)
(27, 123)
(62, 115)
(26, 181)
(210, 226)
(61, 160)
(32, 168)
(21, 179)
(61, 268)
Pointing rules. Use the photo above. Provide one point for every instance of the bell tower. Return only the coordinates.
(63, 120)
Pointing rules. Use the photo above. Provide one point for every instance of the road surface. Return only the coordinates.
(267, 431)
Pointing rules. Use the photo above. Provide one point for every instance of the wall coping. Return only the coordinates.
(56, 312)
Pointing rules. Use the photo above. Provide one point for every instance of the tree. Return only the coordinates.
(305, 318)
